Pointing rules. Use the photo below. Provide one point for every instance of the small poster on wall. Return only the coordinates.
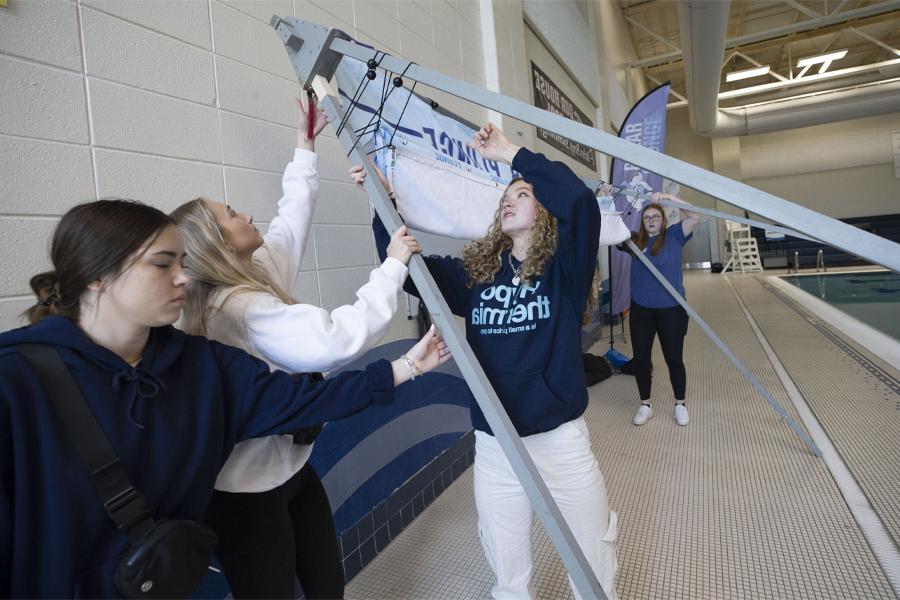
(549, 97)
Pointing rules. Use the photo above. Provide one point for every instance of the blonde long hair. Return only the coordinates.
(213, 266)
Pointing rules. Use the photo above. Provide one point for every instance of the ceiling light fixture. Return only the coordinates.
(825, 60)
(747, 73)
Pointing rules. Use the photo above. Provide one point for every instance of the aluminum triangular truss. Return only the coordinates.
(316, 52)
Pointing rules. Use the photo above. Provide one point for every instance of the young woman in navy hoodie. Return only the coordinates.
(171, 405)
(523, 290)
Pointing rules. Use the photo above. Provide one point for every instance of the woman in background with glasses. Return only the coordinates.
(653, 309)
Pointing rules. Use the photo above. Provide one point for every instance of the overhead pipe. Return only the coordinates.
(703, 25)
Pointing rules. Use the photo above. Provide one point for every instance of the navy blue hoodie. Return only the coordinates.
(528, 337)
(173, 421)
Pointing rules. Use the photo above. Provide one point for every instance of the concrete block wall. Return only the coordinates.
(165, 100)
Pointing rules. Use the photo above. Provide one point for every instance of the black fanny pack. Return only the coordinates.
(164, 559)
(170, 561)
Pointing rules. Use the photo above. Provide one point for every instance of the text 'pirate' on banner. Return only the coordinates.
(549, 97)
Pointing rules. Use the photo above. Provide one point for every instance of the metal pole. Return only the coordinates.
(612, 341)
(840, 235)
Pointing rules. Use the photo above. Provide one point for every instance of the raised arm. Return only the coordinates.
(286, 237)
(689, 218)
(556, 187)
(304, 337)
(564, 196)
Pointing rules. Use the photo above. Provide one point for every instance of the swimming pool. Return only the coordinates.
(872, 297)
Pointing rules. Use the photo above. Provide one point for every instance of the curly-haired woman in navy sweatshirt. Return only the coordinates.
(523, 289)
(171, 405)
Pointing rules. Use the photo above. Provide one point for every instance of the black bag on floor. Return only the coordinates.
(596, 369)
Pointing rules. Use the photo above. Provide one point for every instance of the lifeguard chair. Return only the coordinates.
(743, 251)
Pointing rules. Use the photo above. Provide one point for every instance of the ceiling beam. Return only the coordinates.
(805, 10)
(873, 40)
(651, 33)
(785, 41)
(839, 7)
(882, 8)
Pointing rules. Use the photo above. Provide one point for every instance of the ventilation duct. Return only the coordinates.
(703, 26)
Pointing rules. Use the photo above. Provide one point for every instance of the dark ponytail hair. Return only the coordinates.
(92, 241)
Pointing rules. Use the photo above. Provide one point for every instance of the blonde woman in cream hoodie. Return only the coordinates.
(269, 508)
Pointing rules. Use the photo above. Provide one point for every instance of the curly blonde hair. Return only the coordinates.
(481, 257)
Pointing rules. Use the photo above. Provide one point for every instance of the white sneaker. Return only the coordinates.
(643, 414)
(681, 414)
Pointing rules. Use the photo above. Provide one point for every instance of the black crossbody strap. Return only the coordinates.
(124, 505)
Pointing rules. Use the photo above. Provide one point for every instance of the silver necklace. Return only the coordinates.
(517, 271)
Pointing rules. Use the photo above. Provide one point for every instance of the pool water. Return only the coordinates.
(873, 297)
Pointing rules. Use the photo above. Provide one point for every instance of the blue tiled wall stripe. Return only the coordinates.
(371, 534)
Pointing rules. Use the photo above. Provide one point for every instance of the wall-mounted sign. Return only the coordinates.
(549, 97)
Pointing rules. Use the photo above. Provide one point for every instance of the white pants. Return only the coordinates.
(565, 461)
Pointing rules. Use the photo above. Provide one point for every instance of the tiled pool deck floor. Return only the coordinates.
(731, 506)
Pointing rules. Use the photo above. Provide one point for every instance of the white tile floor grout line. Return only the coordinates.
(873, 529)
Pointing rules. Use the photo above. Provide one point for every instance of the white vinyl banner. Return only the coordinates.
(441, 199)
(442, 186)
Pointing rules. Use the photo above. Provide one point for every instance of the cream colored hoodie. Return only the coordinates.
(296, 337)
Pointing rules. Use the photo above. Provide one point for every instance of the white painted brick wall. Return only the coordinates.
(343, 245)
(26, 243)
(262, 10)
(184, 98)
(127, 118)
(187, 20)
(249, 41)
(42, 102)
(119, 51)
(343, 204)
(379, 24)
(416, 19)
(331, 13)
(161, 181)
(40, 176)
(252, 192)
(24, 22)
(249, 91)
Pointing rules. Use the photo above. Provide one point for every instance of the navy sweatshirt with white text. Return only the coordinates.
(173, 421)
(528, 337)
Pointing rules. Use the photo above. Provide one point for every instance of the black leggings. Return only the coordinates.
(265, 537)
(671, 325)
